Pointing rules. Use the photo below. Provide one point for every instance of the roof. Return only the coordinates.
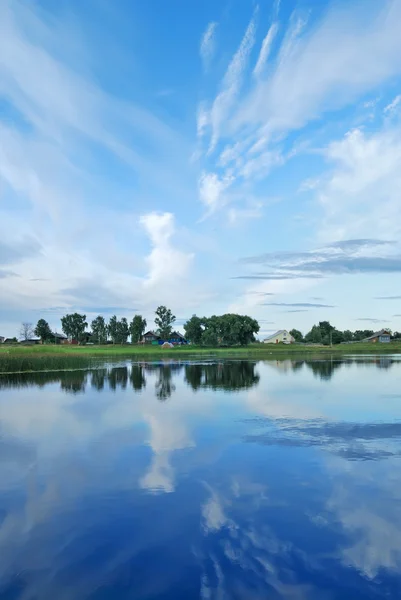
(151, 333)
(177, 334)
(60, 336)
(378, 333)
(280, 331)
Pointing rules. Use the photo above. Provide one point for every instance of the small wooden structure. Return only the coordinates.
(383, 337)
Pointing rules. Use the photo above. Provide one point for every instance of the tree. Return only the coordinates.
(99, 330)
(314, 336)
(74, 326)
(229, 330)
(113, 326)
(348, 335)
(43, 330)
(164, 321)
(361, 334)
(26, 331)
(194, 329)
(137, 328)
(122, 331)
(297, 335)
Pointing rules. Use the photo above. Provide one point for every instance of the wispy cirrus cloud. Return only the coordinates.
(299, 304)
(289, 86)
(342, 257)
(371, 320)
(388, 298)
(208, 44)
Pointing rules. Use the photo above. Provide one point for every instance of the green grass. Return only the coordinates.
(48, 357)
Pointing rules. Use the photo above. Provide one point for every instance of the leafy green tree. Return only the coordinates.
(348, 335)
(194, 329)
(337, 337)
(113, 329)
(137, 328)
(164, 321)
(122, 331)
(229, 330)
(74, 326)
(43, 331)
(361, 334)
(314, 336)
(297, 335)
(99, 330)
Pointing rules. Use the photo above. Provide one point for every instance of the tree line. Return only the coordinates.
(326, 334)
(224, 330)
(116, 330)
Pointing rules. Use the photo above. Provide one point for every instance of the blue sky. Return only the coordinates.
(210, 156)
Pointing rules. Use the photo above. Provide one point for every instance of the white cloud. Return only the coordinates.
(239, 215)
(391, 108)
(315, 70)
(208, 44)
(231, 84)
(165, 262)
(211, 191)
(361, 196)
(265, 50)
(343, 57)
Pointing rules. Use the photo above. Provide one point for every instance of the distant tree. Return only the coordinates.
(113, 329)
(26, 331)
(164, 321)
(194, 329)
(74, 325)
(336, 336)
(361, 334)
(137, 328)
(43, 331)
(297, 335)
(122, 330)
(229, 330)
(314, 336)
(99, 330)
(348, 335)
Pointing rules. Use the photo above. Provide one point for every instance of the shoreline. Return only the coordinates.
(20, 359)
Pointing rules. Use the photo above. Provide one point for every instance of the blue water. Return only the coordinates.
(244, 480)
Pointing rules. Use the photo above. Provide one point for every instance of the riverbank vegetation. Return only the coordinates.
(54, 357)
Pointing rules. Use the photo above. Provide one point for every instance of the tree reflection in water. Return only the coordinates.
(222, 375)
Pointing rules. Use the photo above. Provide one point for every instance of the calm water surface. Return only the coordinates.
(244, 480)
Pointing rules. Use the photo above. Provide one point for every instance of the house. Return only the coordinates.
(10, 340)
(31, 342)
(280, 337)
(382, 336)
(177, 338)
(59, 338)
(150, 337)
(2, 339)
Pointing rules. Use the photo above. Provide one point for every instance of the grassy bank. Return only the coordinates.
(40, 358)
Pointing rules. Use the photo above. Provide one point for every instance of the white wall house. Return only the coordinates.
(282, 336)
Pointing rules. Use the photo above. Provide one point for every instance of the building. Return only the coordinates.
(31, 341)
(280, 337)
(59, 338)
(2, 339)
(177, 338)
(382, 336)
(150, 337)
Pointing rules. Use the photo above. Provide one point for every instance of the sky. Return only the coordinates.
(211, 156)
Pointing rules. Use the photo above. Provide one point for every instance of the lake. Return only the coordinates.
(211, 480)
